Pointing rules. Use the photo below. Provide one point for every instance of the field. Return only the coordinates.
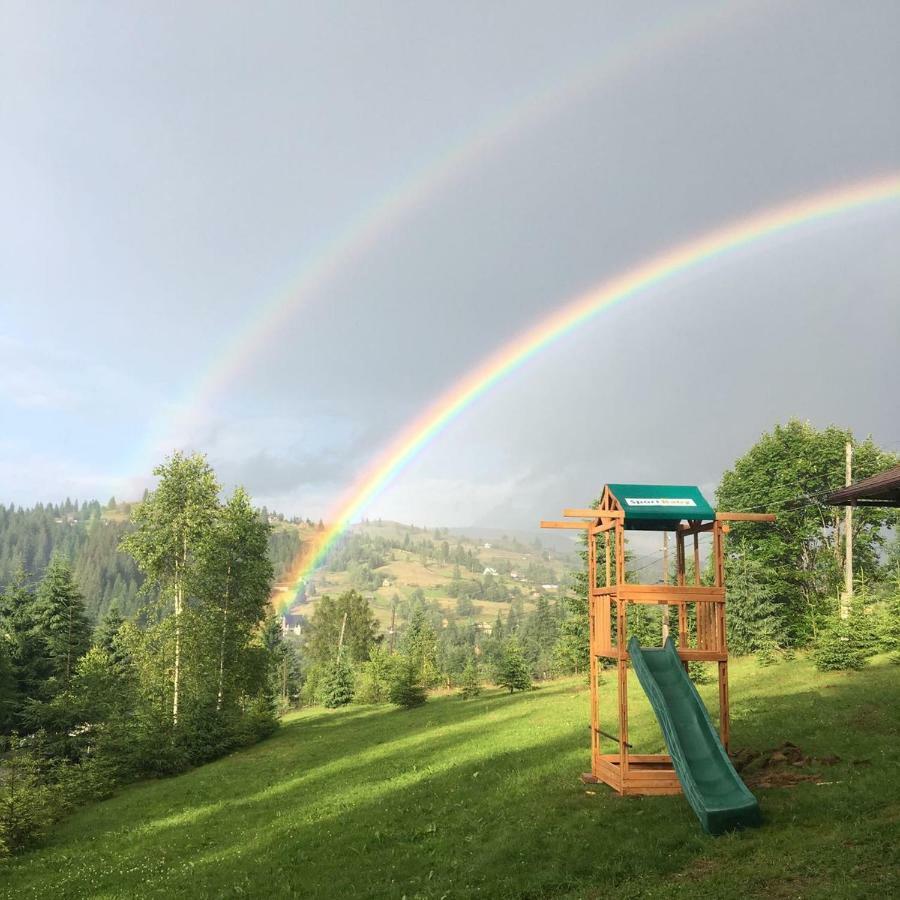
(482, 798)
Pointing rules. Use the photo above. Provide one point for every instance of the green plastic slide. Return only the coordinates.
(712, 786)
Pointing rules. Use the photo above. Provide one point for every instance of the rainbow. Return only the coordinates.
(655, 271)
(387, 211)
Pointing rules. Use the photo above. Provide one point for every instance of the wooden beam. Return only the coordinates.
(594, 513)
(744, 517)
(581, 525)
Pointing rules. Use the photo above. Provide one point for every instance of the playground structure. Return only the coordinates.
(697, 763)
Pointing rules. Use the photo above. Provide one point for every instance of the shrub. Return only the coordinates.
(512, 673)
(28, 803)
(406, 688)
(337, 685)
(838, 646)
(375, 676)
(699, 672)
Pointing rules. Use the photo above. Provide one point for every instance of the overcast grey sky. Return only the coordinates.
(167, 170)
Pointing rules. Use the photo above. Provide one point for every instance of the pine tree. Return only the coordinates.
(470, 685)
(406, 688)
(60, 618)
(419, 645)
(512, 672)
(754, 622)
(337, 686)
(107, 634)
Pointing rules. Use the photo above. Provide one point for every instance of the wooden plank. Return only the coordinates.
(594, 513)
(630, 791)
(599, 529)
(703, 591)
(638, 758)
(724, 717)
(745, 517)
(581, 525)
(695, 529)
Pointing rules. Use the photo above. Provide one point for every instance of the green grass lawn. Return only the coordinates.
(483, 798)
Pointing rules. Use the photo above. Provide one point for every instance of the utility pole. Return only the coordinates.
(847, 594)
(665, 612)
(341, 638)
(393, 619)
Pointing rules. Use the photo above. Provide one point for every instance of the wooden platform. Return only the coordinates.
(647, 774)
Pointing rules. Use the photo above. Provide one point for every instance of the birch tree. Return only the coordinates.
(172, 526)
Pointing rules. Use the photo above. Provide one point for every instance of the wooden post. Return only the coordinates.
(592, 640)
(665, 610)
(341, 638)
(847, 595)
(721, 634)
(622, 648)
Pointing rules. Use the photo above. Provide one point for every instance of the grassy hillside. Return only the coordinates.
(408, 571)
(482, 798)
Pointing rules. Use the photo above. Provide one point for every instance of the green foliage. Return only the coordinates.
(470, 684)
(798, 559)
(27, 803)
(406, 688)
(419, 646)
(60, 619)
(337, 685)
(888, 623)
(512, 672)
(753, 618)
(700, 673)
(838, 646)
(374, 680)
(360, 632)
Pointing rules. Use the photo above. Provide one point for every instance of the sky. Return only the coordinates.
(409, 186)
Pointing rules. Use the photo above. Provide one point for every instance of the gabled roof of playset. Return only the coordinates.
(645, 505)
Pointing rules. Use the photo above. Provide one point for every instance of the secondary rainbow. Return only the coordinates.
(335, 257)
(415, 437)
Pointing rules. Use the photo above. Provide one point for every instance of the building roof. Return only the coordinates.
(647, 506)
(882, 489)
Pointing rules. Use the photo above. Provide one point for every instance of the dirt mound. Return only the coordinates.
(782, 766)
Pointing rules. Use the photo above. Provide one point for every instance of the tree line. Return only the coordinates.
(196, 675)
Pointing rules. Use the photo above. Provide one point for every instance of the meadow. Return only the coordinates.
(483, 798)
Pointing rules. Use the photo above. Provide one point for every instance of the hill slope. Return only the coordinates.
(457, 799)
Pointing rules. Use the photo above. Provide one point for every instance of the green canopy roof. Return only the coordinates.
(651, 506)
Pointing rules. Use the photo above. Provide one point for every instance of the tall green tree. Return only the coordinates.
(360, 631)
(788, 471)
(173, 525)
(419, 646)
(60, 618)
(235, 579)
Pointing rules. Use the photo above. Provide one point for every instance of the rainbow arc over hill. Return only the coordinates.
(412, 440)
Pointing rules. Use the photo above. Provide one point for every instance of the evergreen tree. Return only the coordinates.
(754, 622)
(60, 618)
(337, 686)
(406, 688)
(108, 628)
(513, 673)
(419, 646)
(470, 685)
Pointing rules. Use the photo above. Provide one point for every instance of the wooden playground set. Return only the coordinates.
(697, 763)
